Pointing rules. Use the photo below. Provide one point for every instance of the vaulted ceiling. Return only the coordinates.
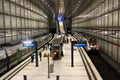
(66, 8)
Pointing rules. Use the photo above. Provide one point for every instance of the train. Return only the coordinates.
(92, 44)
(57, 44)
(10, 57)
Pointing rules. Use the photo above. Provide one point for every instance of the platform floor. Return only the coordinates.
(62, 68)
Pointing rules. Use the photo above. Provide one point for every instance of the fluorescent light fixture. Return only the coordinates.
(27, 42)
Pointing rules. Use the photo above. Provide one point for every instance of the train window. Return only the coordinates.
(2, 54)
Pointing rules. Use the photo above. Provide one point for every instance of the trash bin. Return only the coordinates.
(51, 69)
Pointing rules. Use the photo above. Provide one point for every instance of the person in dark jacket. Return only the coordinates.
(32, 57)
(40, 55)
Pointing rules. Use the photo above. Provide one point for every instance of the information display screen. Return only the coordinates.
(29, 44)
(79, 44)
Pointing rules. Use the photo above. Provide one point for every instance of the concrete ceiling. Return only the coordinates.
(70, 8)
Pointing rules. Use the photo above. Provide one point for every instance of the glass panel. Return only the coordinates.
(18, 23)
(23, 23)
(1, 8)
(22, 12)
(102, 8)
(110, 19)
(12, 9)
(18, 10)
(7, 21)
(26, 23)
(106, 20)
(1, 21)
(115, 4)
(110, 5)
(13, 0)
(6, 6)
(21, 2)
(13, 22)
(115, 18)
(17, 1)
(26, 13)
(106, 6)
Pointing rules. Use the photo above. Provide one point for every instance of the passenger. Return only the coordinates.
(43, 47)
(50, 49)
(61, 44)
(70, 40)
(32, 57)
(40, 55)
(57, 56)
(67, 40)
(62, 53)
(48, 44)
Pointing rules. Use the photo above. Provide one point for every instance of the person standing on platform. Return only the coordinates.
(40, 55)
(43, 47)
(32, 57)
(50, 49)
(46, 47)
(67, 40)
(70, 40)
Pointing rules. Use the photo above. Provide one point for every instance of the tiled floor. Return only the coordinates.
(61, 67)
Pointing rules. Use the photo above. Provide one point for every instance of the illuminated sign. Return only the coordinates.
(79, 44)
(60, 19)
(29, 44)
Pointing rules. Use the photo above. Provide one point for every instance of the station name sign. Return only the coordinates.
(78, 44)
(29, 44)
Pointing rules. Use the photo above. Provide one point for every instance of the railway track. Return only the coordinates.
(106, 71)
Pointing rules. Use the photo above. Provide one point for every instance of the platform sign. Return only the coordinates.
(78, 44)
(29, 44)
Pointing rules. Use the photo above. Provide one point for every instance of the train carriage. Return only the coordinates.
(3, 61)
(92, 44)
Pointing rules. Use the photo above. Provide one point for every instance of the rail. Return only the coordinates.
(89, 66)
